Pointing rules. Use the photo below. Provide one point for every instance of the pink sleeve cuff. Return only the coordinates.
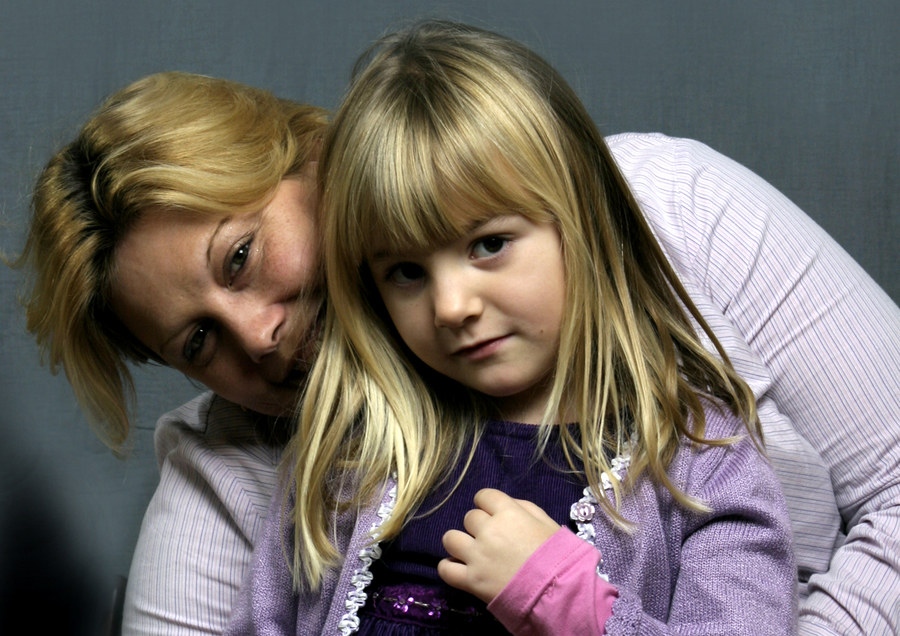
(557, 591)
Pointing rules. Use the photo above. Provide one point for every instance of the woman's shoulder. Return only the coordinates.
(652, 162)
(216, 480)
(213, 424)
(216, 442)
(654, 141)
(638, 147)
(212, 450)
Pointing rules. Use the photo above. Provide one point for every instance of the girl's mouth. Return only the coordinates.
(481, 350)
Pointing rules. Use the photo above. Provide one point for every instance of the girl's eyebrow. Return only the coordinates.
(383, 253)
(380, 255)
(474, 226)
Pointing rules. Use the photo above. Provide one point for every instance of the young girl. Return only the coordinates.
(513, 422)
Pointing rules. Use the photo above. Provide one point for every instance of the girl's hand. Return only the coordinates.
(501, 533)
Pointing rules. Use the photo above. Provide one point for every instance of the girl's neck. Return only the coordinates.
(527, 407)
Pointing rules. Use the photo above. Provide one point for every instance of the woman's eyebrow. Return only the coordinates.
(212, 238)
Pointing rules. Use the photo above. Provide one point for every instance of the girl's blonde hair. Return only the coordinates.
(446, 125)
(170, 140)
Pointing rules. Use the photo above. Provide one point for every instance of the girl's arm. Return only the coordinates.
(514, 557)
(727, 572)
(557, 591)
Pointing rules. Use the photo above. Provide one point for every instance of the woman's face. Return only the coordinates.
(231, 302)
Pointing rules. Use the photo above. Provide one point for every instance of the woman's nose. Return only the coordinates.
(456, 301)
(258, 328)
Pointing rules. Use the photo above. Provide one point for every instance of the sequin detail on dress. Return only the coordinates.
(423, 609)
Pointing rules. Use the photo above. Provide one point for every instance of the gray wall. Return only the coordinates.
(804, 93)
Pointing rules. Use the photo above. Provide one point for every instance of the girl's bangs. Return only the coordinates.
(436, 198)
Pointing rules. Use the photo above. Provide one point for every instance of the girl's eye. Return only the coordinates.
(404, 273)
(236, 262)
(196, 342)
(488, 246)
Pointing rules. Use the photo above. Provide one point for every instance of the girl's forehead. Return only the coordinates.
(416, 231)
(422, 210)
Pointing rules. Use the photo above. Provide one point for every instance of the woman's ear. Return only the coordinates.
(311, 169)
(316, 150)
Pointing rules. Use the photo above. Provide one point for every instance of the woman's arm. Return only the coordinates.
(198, 532)
(819, 342)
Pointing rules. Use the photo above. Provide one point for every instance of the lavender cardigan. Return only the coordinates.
(728, 572)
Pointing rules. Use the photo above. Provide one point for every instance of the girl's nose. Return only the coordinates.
(456, 302)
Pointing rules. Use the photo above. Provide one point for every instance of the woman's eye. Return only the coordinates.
(237, 261)
(404, 273)
(195, 342)
(488, 246)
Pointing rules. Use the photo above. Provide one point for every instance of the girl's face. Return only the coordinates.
(484, 310)
(232, 302)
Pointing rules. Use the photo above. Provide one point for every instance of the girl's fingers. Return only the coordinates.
(457, 544)
(492, 500)
(474, 521)
(453, 573)
(533, 509)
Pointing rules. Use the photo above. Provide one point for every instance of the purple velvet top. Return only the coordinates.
(407, 595)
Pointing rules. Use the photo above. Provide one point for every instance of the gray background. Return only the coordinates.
(804, 93)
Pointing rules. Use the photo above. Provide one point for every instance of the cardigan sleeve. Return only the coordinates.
(737, 561)
(735, 572)
(267, 604)
(736, 565)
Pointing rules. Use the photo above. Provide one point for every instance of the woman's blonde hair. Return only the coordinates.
(170, 140)
(448, 124)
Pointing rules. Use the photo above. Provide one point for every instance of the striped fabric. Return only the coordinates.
(216, 480)
(819, 343)
(816, 338)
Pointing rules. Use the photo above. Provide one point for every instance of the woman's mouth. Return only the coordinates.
(308, 347)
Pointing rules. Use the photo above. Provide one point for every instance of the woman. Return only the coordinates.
(800, 321)
(179, 227)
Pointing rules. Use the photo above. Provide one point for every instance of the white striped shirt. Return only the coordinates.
(814, 336)
(819, 343)
(216, 478)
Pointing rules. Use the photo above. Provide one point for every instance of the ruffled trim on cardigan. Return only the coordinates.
(362, 576)
(583, 510)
